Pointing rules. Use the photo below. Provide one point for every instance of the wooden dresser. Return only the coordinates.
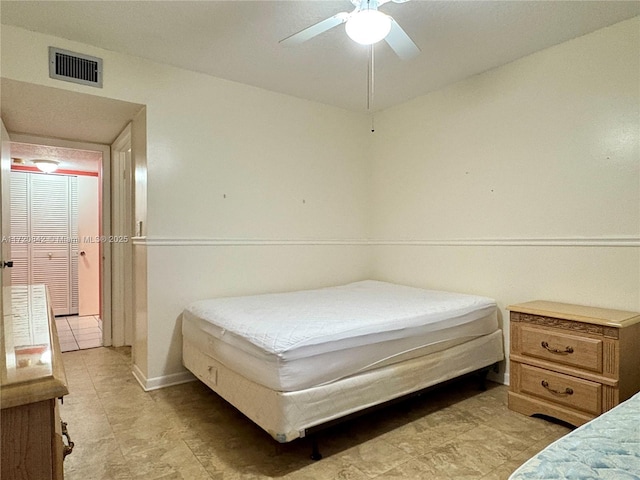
(32, 384)
(572, 362)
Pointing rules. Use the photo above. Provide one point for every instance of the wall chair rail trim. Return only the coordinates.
(622, 241)
(239, 242)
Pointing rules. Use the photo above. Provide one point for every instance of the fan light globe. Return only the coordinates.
(368, 27)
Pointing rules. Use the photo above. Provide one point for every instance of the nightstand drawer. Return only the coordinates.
(564, 348)
(561, 389)
(572, 362)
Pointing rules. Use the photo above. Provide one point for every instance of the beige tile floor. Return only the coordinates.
(77, 333)
(188, 432)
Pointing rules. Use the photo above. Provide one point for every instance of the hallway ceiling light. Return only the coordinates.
(46, 166)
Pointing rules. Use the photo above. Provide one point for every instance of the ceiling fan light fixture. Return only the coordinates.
(368, 26)
(46, 166)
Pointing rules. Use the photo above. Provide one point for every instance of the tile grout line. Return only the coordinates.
(77, 335)
(107, 416)
(103, 410)
(75, 341)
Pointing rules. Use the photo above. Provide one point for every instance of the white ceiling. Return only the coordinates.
(41, 111)
(238, 40)
(56, 113)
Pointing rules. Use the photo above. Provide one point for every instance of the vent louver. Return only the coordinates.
(75, 67)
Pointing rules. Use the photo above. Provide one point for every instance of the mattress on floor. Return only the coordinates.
(607, 447)
(287, 415)
(292, 341)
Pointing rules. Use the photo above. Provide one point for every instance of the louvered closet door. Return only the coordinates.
(46, 209)
(19, 228)
(74, 247)
(50, 231)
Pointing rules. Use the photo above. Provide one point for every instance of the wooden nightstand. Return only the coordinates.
(572, 362)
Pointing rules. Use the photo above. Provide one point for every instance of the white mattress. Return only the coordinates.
(292, 341)
(286, 415)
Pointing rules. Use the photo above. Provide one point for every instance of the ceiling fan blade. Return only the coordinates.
(400, 42)
(317, 29)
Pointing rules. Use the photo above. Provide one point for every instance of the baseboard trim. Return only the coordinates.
(500, 377)
(156, 383)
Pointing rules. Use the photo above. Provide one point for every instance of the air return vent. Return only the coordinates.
(75, 67)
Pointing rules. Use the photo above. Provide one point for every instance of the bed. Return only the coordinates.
(607, 447)
(298, 360)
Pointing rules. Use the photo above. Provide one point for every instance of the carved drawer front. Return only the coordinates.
(565, 348)
(561, 389)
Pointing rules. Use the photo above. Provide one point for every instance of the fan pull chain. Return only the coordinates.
(373, 69)
(370, 77)
(371, 83)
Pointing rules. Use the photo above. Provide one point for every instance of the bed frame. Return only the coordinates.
(290, 415)
(480, 375)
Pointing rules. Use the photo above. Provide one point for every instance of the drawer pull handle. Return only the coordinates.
(567, 391)
(67, 449)
(555, 350)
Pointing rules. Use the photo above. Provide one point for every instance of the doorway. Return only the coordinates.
(55, 222)
(57, 117)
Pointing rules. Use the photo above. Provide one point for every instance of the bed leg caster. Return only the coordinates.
(482, 375)
(482, 380)
(315, 451)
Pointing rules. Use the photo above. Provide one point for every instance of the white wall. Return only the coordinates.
(283, 178)
(521, 183)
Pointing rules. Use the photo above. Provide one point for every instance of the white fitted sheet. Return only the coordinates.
(292, 341)
(286, 415)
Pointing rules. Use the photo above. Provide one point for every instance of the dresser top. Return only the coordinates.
(580, 313)
(30, 365)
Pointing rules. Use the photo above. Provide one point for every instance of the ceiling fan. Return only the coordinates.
(365, 25)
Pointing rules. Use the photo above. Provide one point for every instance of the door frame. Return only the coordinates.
(122, 252)
(105, 220)
(5, 231)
